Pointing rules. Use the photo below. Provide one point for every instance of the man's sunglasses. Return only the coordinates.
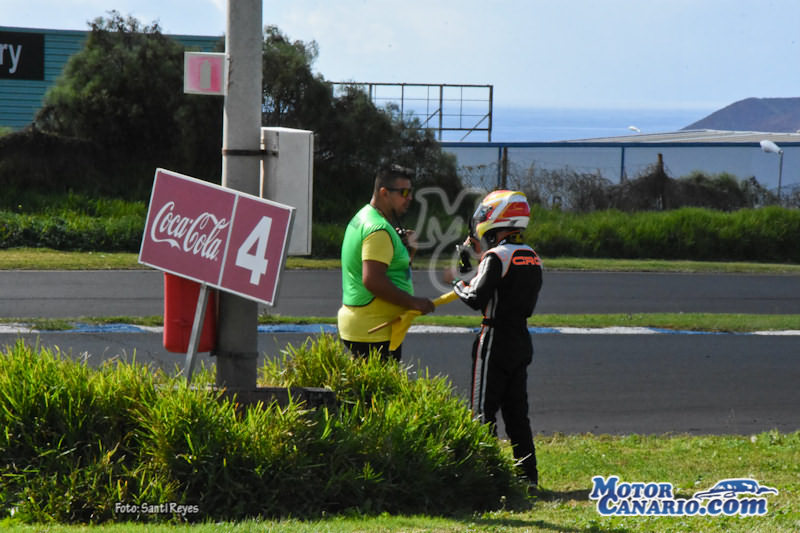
(405, 192)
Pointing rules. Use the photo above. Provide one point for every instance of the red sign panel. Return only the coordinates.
(204, 73)
(224, 238)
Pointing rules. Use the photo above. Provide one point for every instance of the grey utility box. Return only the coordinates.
(287, 177)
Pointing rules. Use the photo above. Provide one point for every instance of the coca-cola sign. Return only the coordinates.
(214, 235)
(198, 235)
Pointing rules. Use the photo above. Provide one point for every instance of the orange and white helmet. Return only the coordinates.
(500, 210)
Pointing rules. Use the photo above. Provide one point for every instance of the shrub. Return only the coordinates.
(71, 232)
(765, 234)
(77, 441)
(67, 447)
(326, 239)
(653, 189)
(70, 221)
(417, 446)
(79, 222)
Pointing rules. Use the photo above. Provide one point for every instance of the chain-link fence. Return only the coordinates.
(586, 176)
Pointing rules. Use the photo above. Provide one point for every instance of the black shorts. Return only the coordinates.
(361, 349)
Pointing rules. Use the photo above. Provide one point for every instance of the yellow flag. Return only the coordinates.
(401, 323)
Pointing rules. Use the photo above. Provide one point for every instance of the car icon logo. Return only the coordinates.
(730, 488)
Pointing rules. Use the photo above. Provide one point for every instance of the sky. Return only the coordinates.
(580, 54)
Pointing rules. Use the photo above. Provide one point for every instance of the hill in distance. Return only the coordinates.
(776, 115)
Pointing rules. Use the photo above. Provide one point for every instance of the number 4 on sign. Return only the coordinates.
(255, 262)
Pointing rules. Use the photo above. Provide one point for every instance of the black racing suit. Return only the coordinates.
(506, 289)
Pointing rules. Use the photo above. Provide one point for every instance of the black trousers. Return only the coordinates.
(497, 386)
(361, 349)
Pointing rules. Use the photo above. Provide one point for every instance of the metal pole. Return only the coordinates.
(499, 166)
(491, 105)
(780, 175)
(237, 339)
(441, 112)
(197, 328)
(504, 165)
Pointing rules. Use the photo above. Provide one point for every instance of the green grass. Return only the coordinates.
(721, 322)
(567, 463)
(47, 259)
(64, 324)
(662, 265)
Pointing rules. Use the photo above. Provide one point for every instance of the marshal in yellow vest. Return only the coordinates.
(366, 238)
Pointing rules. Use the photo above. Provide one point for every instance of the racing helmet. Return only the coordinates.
(500, 210)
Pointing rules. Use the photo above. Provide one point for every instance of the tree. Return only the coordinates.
(292, 94)
(124, 93)
(353, 138)
(146, 121)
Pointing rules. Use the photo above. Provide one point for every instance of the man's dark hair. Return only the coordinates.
(387, 176)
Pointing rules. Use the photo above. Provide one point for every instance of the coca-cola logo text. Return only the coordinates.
(197, 236)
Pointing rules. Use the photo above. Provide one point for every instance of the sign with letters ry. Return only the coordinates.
(225, 238)
(21, 55)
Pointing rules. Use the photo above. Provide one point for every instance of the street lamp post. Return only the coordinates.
(772, 148)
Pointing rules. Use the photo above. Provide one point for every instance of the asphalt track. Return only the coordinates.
(600, 382)
(318, 293)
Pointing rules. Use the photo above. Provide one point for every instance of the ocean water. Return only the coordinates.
(515, 124)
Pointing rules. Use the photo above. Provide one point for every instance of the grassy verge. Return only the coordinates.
(660, 265)
(64, 324)
(46, 259)
(720, 322)
(568, 463)
(723, 323)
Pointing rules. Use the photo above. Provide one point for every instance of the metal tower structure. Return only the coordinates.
(442, 107)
